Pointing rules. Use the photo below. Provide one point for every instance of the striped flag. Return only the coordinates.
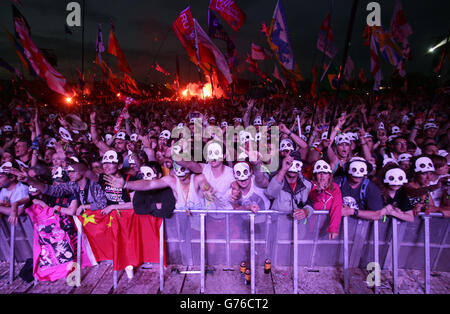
(230, 12)
(400, 30)
(258, 53)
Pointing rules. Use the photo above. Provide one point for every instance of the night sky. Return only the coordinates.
(144, 26)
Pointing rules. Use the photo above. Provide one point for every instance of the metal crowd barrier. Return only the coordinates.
(203, 213)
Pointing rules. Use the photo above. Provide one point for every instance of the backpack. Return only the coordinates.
(362, 190)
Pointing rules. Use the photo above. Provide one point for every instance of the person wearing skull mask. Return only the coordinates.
(244, 194)
(117, 198)
(361, 197)
(13, 194)
(420, 189)
(326, 195)
(189, 189)
(289, 190)
(89, 194)
(395, 201)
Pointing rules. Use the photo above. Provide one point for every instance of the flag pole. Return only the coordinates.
(198, 59)
(82, 61)
(344, 61)
(317, 95)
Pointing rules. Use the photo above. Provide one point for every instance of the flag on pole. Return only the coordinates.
(325, 42)
(20, 53)
(17, 15)
(99, 48)
(115, 50)
(215, 30)
(229, 11)
(389, 48)
(200, 48)
(40, 65)
(211, 55)
(278, 38)
(400, 30)
(130, 84)
(375, 69)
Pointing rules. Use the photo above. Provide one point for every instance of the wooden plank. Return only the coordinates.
(90, 278)
(282, 278)
(47, 287)
(173, 281)
(105, 283)
(143, 282)
(18, 284)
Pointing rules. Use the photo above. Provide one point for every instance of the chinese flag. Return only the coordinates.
(123, 237)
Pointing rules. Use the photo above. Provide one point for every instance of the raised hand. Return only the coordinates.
(115, 181)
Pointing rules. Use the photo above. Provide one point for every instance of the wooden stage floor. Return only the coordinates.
(325, 280)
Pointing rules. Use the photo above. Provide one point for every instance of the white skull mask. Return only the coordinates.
(352, 136)
(389, 160)
(322, 166)
(134, 137)
(131, 159)
(296, 166)
(396, 130)
(404, 157)
(165, 134)
(51, 143)
(108, 138)
(307, 129)
(58, 174)
(341, 139)
(215, 152)
(395, 176)
(223, 124)
(32, 189)
(286, 145)
(257, 121)
(245, 136)
(350, 202)
(121, 136)
(148, 173)
(324, 136)
(65, 135)
(110, 157)
(424, 164)
(241, 171)
(180, 171)
(5, 167)
(357, 169)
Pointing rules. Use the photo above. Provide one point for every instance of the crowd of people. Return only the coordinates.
(386, 157)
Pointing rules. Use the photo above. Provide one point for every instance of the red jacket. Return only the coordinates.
(328, 200)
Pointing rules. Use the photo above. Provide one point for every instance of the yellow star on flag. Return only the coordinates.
(88, 219)
(110, 220)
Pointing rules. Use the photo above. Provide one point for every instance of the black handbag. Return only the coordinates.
(158, 203)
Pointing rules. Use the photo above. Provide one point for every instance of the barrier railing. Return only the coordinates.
(203, 213)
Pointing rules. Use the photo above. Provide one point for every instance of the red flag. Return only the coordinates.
(325, 42)
(160, 69)
(375, 68)
(123, 237)
(184, 30)
(40, 65)
(265, 29)
(230, 12)
(130, 84)
(115, 50)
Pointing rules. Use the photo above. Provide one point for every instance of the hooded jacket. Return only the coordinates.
(286, 200)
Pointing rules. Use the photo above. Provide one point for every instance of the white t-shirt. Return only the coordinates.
(221, 185)
(7, 197)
